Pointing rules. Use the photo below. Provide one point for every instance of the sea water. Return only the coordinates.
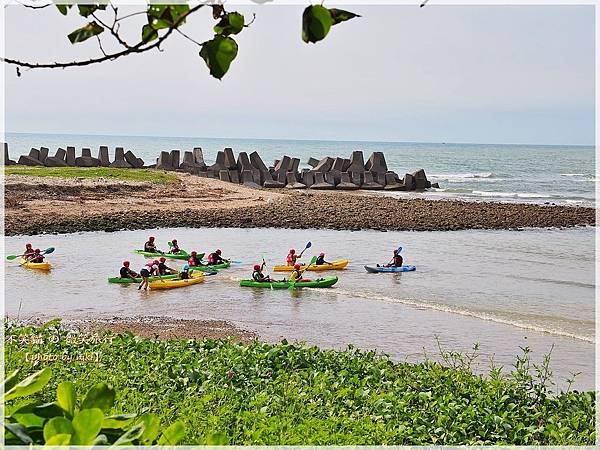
(521, 173)
(502, 289)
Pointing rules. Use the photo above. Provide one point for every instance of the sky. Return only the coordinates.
(481, 74)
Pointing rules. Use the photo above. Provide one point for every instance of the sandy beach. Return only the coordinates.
(32, 205)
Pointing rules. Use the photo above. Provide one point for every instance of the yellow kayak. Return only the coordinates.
(335, 265)
(38, 266)
(197, 277)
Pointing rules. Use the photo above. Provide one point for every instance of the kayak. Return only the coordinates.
(381, 269)
(318, 283)
(173, 284)
(335, 265)
(183, 255)
(38, 266)
(171, 276)
(211, 267)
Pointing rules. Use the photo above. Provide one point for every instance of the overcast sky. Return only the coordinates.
(499, 74)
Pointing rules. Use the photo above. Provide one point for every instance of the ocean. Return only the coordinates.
(517, 173)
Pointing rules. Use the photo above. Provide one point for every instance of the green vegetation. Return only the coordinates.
(93, 172)
(68, 421)
(230, 393)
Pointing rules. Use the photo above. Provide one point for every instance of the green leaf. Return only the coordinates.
(316, 23)
(339, 15)
(167, 16)
(218, 53)
(134, 433)
(57, 425)
(58, 439)
(11, 380)
(86, 10)
(48, 410)
(29, 385)
(66, 397)
(118, 421)
(19, 431)
(27, 417)
(173, 434)
(87, 423)
(101, 396)
(149, 33)
(64, 9)
(81, 34)
(151, 428)
(217, 439)
(231, 23)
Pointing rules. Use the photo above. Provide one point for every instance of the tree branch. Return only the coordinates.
(140, 47)
(112, 30)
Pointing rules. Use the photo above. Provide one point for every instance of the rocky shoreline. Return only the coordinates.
(98, 206)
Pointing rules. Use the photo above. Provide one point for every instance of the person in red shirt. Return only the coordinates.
(194, 260)
(291, 257)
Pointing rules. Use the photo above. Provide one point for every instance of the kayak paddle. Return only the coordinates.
(308, 245)
(48, 250)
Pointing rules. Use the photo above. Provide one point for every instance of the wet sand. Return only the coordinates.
(32, 206)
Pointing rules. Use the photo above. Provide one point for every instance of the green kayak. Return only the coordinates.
(119, 280)
(317, 283)
(224, 265)
(183, 255)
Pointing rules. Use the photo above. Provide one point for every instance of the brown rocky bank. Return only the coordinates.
(65, 206)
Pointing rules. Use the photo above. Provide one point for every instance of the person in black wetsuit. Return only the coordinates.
(150, 246)
(126, 272)
(321, 260)
(257, 275)
(163, 269)
(175, 248)
(185, 272)
(396, 260)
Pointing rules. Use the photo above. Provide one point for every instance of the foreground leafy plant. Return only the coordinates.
(69, 422)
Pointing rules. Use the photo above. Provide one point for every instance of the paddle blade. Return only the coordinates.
(49, 250)
(313, 260)
(308, 245)
(11, 257)
(170, 244)
(399, 249)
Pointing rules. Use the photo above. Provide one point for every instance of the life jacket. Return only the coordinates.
(291, 259)
(320, 260)
(295, 276)
(194, 261)
(257, 276)
(162, 268)
(211, 258)
(149, 247)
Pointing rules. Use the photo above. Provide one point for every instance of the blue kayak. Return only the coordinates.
(381, 269)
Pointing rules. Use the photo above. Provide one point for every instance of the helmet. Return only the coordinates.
(256, 267)
(37, 250)
(218, 252)
(162, 259)
(126, 263)
(151, 238)
(194, 253)
(186, 267)
(292, 251)
(174, 240)
(28, 245)
(297, 266)
(321, 254)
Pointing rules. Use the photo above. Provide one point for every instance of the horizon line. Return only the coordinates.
(306, 140)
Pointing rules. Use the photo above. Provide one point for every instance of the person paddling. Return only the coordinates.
(321, 260)
(126, 272)
(28, 251)
(185, 272)
(37, 256)
(396, 260)
(194, 260)
(147, 271)
(175, 247)
(163, 269)
(150, 246)
(291, 257)
(258, 274)
(296, 274)
(216, 258)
